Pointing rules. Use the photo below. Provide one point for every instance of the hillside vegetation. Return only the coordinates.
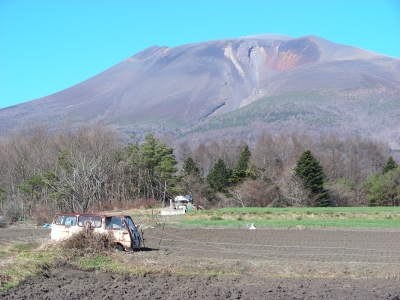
(316, 112)
(90, 168)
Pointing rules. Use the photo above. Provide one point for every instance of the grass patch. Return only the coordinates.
(87, 250)
(295, 222)
(374, 217)
(25, 247)
(10, 250)
(309, 210)
(90, 263)
(26, 264)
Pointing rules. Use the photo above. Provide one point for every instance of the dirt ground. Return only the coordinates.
(232, 263)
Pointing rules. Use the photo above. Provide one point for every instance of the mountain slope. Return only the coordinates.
(272, 81)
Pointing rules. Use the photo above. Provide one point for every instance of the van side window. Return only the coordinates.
(59, 220)
(66, 220)
(95, 221)
(115, 223)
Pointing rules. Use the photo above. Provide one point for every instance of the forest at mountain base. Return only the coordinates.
(91, 168)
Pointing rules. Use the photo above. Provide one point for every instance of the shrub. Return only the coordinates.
(13, 211)
(87, 240)
(41, 214)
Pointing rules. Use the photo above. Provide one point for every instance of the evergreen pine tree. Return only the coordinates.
(218, 176)
(240, 171)
(156, 163)
(190, 168)
(390, 165)
(311, 172)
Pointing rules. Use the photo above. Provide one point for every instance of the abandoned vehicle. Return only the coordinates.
(122, 227)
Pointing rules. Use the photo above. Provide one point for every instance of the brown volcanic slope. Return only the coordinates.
(242, 85)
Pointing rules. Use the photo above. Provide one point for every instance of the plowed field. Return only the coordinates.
(215, 263)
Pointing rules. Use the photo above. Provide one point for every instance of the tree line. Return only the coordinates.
(91, 167)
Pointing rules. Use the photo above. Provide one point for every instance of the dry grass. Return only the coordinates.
(84, 248)
(90, 242)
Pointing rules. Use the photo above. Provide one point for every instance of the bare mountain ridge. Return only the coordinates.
(238, 84)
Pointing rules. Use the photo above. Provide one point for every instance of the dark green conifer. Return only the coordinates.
(311, 172)
(390, 165)
(240, 172)
(218, 176)
(190, 168)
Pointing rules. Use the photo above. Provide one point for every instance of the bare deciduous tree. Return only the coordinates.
(84, 166)
(293, 190)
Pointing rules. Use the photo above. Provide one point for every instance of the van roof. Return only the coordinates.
(91, 214)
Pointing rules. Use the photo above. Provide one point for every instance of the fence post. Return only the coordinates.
(161, 237)
(344, 246)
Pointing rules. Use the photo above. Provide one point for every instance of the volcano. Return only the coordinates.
(239, 86)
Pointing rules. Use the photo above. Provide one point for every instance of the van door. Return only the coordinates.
(120, 230)
(137, 240)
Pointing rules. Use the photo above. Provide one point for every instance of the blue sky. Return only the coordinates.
(49, 45)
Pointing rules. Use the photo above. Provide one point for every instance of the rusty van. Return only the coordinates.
(127, 237)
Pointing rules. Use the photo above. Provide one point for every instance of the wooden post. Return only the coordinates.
(161, 237)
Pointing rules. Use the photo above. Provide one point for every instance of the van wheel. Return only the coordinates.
(119, 248)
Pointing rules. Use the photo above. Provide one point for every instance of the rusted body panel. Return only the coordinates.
(123, 228)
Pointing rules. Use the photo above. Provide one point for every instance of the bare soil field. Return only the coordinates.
(22, 234)
(231, 263)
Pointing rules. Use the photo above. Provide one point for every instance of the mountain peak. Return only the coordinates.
(162, 89)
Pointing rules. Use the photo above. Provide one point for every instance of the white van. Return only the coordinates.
(124, 230)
